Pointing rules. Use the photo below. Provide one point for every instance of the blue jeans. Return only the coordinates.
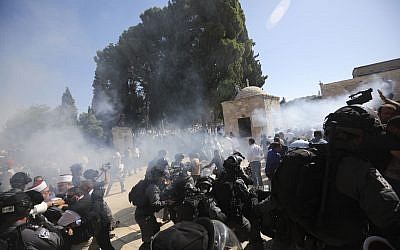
(256, 173)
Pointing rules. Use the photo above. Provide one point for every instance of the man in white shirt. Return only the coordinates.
(254, 157)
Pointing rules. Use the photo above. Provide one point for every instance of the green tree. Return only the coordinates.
(24, 124)
(91, 127)
(177, 65)
(67, 111)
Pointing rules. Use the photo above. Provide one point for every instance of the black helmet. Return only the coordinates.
(204, 181)
(20, 178)
(91, 174)
(156, 172)
(233, 161)
(76, 167)
(353, 119)
(15, 203)
(201, 234)
(179, 157)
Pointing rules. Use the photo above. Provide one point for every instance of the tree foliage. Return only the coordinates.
(67, 111)
(38, 119)
(24, 124)
(178, 64)
(91, 127)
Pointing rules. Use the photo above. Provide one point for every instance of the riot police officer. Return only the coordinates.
(16, 232)
(144, 213)
(19, 181)
(354, 198)
(231, 194)
(358, 192)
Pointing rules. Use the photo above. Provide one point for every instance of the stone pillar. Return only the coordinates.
(122, 138)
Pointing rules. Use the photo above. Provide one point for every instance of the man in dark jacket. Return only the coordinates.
(102, 232)
(273, 160)
(82, 204)
(144, 213)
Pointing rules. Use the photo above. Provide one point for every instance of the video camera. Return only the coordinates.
(360, 97)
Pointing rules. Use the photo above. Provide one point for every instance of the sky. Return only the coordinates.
(46, 45)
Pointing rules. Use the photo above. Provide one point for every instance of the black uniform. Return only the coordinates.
(191, 202)
(181, 183)
(23, 236)
(102, 235)
(207, 207)
(159, 162)
(144, 214)
(355, 195)
(16, 233)
(232, 195)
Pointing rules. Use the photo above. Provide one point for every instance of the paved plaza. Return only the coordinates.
(127, 235)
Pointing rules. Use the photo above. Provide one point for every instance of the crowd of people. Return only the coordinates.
(337, 188)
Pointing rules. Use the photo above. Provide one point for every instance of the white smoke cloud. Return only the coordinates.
(33, 54)
(304, 115)
(104, 106)
(278, 13)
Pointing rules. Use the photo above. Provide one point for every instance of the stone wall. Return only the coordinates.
(122, 138)
(258, 108)
(348, 86)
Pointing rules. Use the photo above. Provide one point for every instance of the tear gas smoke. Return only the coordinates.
(50, 151)
(304, 115)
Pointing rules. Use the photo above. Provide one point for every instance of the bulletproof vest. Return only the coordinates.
(230, 196)
(342, 218)
(376, 148)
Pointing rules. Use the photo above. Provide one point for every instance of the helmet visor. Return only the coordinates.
(224, 237)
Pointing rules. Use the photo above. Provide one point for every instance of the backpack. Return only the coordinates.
(298, 185)
(137, 194)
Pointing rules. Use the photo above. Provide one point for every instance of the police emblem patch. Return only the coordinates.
(44, 233)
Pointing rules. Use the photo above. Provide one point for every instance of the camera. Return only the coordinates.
(360, 97)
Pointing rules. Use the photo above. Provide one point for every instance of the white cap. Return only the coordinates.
(40, 187)
(65, 178)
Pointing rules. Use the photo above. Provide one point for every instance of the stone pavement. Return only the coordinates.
(127, 235)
